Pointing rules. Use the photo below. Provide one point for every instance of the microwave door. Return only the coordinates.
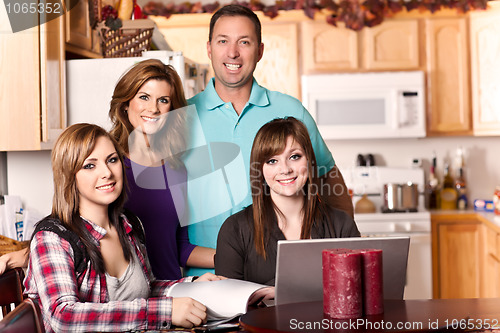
(353, 115)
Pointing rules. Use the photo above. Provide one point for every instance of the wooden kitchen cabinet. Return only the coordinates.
(492, 263)
(485, 66)
(80, 38)
(392, 45)
(448, 110)
(465, 251)
(463, 73)
(326, 48)
(279, 39)
(32, 85)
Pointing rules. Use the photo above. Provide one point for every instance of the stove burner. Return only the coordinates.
(408, 210)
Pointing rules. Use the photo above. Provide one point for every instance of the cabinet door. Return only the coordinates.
(52, 82)
(458, 253)
(485, 65)
(448, 77)
(328, 48)
(491, 276)
(32, 81)
(78, 31)
(278, 68)
(392, 45)
(19, 87)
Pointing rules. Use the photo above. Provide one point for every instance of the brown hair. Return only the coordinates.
(236, 10)
(271, 140)
(128, 86)
(72, 147)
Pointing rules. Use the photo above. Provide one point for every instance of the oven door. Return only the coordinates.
(419, 267)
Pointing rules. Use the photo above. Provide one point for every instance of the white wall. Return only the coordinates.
(482, 161)
(30, 177)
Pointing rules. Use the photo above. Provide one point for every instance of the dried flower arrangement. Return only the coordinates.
(356, 14)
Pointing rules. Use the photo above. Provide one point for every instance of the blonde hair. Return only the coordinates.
(71, 149)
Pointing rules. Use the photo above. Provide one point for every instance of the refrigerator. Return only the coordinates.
(90, 83)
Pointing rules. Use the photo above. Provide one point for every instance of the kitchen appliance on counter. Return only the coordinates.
(90, 83)
(366, 105)
(415, 223)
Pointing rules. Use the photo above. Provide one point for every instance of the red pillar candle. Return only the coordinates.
(373, 286)
(342, 289)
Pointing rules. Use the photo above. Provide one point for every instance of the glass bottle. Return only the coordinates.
(433, 187)
(448, 192)
(461, 187)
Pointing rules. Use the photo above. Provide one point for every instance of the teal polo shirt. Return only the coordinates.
(218, 160)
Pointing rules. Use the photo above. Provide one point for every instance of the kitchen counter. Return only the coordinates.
(489, 218)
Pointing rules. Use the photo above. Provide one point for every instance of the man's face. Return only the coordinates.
(234, 51)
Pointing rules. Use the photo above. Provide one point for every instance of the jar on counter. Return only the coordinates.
(496, 200)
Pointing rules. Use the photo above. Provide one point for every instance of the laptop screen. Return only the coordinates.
(299, 276)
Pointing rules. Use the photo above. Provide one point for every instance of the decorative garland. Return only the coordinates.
(356, 14)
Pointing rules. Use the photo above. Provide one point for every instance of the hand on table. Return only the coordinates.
(187, 312)
(210, 277)
(14, 259)
(262, 295)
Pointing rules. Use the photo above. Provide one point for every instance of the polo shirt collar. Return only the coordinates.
(258, 95)
(212, 99)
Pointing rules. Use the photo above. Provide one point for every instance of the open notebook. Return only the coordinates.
(299, 275)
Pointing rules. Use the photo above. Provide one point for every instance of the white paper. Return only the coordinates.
(223, 299)
(31, 217)
(12, 205)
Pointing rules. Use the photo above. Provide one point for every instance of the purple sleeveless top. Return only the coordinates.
(157, 195)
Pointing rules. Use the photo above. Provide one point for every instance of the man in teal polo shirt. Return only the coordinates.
(230, 111)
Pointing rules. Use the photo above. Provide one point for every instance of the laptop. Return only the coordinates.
(299, 276)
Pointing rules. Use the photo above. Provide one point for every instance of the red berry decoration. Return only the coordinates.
(108, 11)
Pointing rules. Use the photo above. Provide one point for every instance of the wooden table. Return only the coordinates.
(399, 315)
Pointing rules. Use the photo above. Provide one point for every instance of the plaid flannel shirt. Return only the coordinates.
(71, 304)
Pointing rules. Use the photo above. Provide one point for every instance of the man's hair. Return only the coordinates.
(236, 10)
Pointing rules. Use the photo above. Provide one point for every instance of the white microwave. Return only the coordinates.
(366, 105)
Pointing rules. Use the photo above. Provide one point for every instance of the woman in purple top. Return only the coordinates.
(148, 111)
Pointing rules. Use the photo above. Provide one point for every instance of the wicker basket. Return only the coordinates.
(9, 245)
(130, 40)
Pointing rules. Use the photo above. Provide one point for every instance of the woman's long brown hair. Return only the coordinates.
(72, 147)
(171, 139)
(270, 141)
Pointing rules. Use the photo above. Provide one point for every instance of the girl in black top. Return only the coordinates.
(287, 204)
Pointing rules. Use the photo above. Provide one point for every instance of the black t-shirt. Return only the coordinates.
(236, 256)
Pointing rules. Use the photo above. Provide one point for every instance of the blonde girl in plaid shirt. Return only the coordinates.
(88, 199)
